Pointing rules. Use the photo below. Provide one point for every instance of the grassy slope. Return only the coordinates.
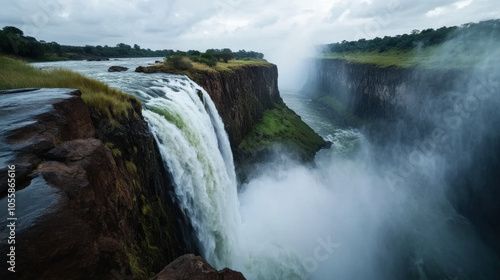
(109, 102)
(282, 125)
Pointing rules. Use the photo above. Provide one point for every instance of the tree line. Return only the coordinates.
(417, 38)
(210, 57)
(14, 42)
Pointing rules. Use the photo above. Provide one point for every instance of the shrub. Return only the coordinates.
(210, 62)
(178, 62)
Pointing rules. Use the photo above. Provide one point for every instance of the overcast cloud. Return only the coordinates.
(280, 29)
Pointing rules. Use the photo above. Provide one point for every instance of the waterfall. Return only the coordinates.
(195, 147)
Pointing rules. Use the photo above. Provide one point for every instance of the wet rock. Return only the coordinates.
(34, 121)
(117, 69)
(327, 145)
(191, 267)
(98, 59)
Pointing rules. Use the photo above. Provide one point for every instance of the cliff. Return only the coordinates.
(91, 198)
(404, 106)
(368, 91)
(255, 117)
(241, 96)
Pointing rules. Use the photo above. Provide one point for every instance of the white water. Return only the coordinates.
(196, 149)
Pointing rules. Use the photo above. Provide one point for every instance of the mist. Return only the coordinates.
(401, 207)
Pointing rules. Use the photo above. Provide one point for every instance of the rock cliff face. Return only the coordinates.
(368, 91)
(92, 200)
(256, 119)
(241, 96)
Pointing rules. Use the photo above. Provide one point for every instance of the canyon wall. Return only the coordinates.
(369, 91)
(241, 96)
(406, 105)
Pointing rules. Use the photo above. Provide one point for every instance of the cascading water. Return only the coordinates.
(195, 147)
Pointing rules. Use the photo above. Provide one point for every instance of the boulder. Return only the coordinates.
(98, 59)
(191, 267)
(117, 69)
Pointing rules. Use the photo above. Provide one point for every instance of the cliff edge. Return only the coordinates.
(90, 198)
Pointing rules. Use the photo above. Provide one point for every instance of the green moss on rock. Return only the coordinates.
(282, 126)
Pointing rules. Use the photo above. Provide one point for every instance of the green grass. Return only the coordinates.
(282, 126)
(131, 167)
(230, 64)
(397, 58)
(237, 63)
(109, 102)
(434, 57)
(201, 67)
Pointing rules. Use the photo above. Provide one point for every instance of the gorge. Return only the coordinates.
(394, 198)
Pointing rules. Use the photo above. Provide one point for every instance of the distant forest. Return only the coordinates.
(14, 42)
(417, 38)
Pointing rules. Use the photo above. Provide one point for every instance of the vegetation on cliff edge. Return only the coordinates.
(109, 102)
(195, 68)
(445, 48)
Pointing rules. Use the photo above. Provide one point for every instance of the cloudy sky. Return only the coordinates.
(280, 29)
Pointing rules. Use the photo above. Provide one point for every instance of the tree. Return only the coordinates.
(56, 47)
(13, 31)
(178, 62)
(4, 42)
(193, 53)
(88, 49)
(226, 55)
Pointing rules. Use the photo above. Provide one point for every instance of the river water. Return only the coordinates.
(341, 218)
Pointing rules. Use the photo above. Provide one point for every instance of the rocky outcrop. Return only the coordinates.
(98, 59)
(92, 199)
(241, 96)
(191, 267)
(117, 69)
